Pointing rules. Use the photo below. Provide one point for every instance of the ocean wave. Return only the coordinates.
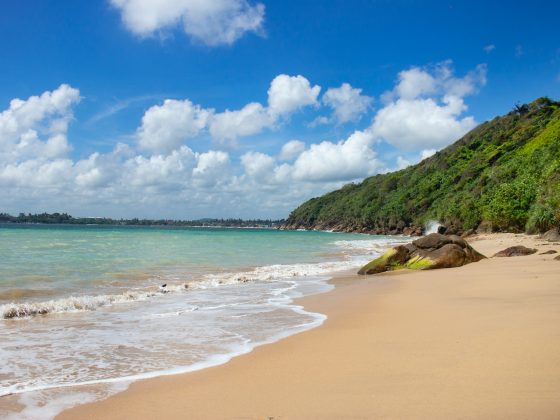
(91, 303)
(264, 273)
(71, 304)
(277, 272)
(369, 245)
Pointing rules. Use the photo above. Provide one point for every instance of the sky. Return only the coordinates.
(185, 109)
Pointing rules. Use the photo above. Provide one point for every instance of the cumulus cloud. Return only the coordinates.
(425, 109)
(422, 123)
(346, 160)
(415, 82)
(347, 103)
(35, 166)
(290, 93)
(161, 176)
(291, 150)
(37, 126)
(211, 22)
(286, 95)
(325, 162)
(402, 162)
(212, 167)
(165, 127)
(427, 153)
(489, 48)
(230, 125)
(258, 165)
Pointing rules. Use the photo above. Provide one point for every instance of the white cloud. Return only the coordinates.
(415, 82)
(402, 163)
(36, 174)
(229, 125)
(165, 127)
(489, 48)
(161, 170)
(286, 95)
(212, 167)
(347, 102)
(422, 123)
(427, 153)
(212, 22)
(290, 93)
(325, 162)
(346, 160)
(291, 150)
(37, 126)
(160, 176)
(258, 165)
(424, 110)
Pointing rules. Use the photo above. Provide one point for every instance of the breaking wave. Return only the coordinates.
(92, 303)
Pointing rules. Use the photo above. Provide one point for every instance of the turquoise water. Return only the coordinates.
(84, 310)
(61, 260)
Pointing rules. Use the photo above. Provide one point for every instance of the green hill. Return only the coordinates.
(502, 176)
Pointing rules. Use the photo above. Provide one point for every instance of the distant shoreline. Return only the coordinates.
(66, 219)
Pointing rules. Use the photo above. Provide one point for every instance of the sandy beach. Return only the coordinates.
(476, 342)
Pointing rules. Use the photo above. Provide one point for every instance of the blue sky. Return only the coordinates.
(130, 114)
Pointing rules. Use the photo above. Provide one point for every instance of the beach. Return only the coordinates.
(475, 342)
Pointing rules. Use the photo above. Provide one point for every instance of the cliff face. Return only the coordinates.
(502, 176)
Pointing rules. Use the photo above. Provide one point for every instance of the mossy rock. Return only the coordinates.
(430, 252)
(392, 259)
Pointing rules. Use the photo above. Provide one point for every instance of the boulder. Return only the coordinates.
(468, 233)
(557, 258)
(515, 251)
(429, 252)
(550, 251)
(553, 235)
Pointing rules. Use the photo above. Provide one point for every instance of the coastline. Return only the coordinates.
(479, 341)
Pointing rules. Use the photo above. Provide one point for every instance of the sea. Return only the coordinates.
(86, 310)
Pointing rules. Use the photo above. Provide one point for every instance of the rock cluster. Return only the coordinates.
(515, 251)
(553, 235)
(429, 252)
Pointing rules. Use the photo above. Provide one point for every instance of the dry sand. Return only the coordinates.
(476, 342)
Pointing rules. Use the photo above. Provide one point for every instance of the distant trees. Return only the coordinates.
(64, 218)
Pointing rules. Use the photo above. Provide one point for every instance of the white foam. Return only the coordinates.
(431, 227)
(92, 303)
(369, 246)
(72, 304)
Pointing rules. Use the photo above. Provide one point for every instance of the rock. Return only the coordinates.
(429, 252)
(515, 251)
(484, 227)
(393, 257)
(436, 240)
(550, 251)
(553, 235)
(441, 230)
(557, 258)
(412, 231)
(468, 233)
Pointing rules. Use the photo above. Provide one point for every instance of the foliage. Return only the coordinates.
(505, 173)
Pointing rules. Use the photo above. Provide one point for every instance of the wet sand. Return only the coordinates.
(476, 342)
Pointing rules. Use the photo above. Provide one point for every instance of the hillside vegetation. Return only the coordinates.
(503, 175)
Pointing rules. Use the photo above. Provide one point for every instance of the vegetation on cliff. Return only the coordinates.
(503, 175)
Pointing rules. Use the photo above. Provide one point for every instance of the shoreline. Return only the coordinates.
(478, 341)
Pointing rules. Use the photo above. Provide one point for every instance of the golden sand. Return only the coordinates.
(476, 342)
